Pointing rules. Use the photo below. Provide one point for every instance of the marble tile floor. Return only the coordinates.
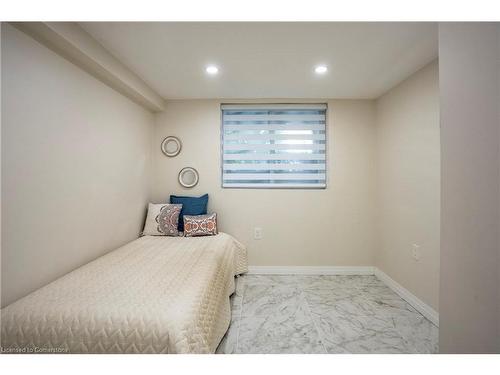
(323, 314)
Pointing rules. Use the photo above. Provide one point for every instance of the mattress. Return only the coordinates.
(154, 295)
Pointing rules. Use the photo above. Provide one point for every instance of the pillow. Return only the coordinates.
(162, 220)
(200, 225)
(190, 206)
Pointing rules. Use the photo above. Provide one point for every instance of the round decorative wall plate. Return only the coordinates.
(171, 146)
(188, 177)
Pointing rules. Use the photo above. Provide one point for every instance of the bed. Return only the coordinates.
(156, 294)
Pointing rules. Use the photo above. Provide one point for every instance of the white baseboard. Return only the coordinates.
(404, 293)
(309, 270)
(409, 297)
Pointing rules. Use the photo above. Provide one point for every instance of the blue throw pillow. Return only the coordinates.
(190, 206)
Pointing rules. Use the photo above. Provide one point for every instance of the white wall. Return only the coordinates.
(1, 131)
(469, 94)
(75, 166)
(408, 183)
(333, 227)
(498, 114)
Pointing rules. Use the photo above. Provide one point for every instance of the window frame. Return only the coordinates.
(284, 187)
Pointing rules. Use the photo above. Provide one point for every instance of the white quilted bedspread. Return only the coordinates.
(153, 295)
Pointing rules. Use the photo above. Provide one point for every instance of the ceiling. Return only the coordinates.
(269, 60)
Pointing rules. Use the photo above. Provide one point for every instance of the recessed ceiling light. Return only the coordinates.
(321, 69)
(212, 69)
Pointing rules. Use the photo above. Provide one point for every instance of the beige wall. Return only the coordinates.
(75, 166)
(408, 183)
(301, 227)
(469, 94)
(1, 151)
(498, 114)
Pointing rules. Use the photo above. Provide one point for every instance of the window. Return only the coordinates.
(273, 145)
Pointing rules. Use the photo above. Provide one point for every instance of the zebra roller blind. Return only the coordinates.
(274, 145)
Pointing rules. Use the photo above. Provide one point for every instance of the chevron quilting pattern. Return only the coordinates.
(153, 295)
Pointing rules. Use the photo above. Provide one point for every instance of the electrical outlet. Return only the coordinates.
(257, 233)
(415, 252)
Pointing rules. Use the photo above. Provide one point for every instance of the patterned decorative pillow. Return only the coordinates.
(200, 225)
(162, 220)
